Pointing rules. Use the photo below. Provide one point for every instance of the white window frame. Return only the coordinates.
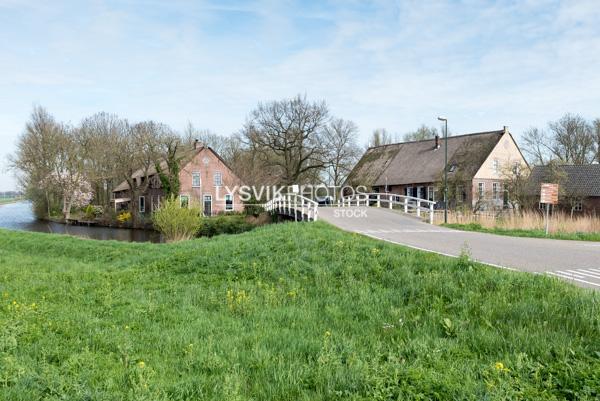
(220, 175)
(142, 204)
(186, 196)
(496, 165)
(431, 193)
(206, 197)
(578, 205)
(229, 209)
(408, 191)
(481, 189)
(196, 174)
(496, 190)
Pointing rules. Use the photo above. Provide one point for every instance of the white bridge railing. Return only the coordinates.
(294, 205)
(408, 203)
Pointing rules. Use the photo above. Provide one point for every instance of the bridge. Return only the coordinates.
(301, 208)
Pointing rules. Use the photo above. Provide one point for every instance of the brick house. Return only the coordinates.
(579, 186)
(205, 179)
(477, 166)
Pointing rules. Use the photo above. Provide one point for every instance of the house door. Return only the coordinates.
(207, 205)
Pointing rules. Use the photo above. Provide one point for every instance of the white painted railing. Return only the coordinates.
(408, 203)
(292, 205)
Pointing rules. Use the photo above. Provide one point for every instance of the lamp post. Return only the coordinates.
(445, 120)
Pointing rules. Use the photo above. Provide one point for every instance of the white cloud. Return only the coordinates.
(382, 64)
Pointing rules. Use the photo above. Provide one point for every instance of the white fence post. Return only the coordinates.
(405, 205)
(418, 208)
(431, 213)
(378, 200)
(390, 197)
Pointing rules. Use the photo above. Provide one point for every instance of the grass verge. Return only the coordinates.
(578, 236)
(286, 312)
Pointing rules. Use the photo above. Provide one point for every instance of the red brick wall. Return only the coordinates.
(207, 164)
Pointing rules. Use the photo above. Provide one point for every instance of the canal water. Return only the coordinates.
(19, 216)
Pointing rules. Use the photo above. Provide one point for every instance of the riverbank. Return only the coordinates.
(287, 311)
(19, 216)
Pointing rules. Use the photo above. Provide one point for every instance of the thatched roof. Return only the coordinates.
(421, 162)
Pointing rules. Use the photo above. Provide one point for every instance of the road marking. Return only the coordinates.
(585, 272)
(432, 251)
(576, 275)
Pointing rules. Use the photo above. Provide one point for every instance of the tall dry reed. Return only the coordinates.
(528, 220)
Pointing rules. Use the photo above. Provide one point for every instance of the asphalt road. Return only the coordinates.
(575, 261)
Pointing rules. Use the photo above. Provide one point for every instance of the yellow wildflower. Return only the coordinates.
(500, 366)
(141, 364)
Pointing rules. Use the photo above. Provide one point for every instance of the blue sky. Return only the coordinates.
(382, 64)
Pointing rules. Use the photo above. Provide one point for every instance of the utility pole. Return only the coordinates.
(445, 120)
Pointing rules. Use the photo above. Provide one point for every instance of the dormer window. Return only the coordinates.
(452, 168)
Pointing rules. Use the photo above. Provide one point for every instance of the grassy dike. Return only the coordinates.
(286, 312)
(579, 236)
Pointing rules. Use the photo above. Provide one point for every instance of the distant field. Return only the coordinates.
(286, 312)
(9, 200)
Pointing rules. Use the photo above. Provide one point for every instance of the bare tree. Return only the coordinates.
(36, 158)
(596, 133)
(535, 144)
(340, 141)
(287, 136)
(137, 157)
(97, 136)
(380, 137)
(422, 133)
(573, 140)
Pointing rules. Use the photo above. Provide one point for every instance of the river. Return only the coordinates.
(19, 216)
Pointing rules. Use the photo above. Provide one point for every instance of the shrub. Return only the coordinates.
(225, 224)
(93, 211)
(252, 207)
(124, 217)
(177, 223)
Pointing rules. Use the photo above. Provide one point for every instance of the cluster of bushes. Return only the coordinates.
(178, 223)
(225, 224)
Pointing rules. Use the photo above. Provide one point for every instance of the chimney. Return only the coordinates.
(505, 129)
(196, 144)
(437, 141)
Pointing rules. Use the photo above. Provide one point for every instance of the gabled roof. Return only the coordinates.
(579, 180)
(420, 162)
(186, 156)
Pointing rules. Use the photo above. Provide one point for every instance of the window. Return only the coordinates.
(195, 179)
(142, 204)
(481, 189)
(496, 164)
(228, 202)
(452, 168)
(218, 179)
(431, 193)
(516, 168)
(420, 192)
(184, 201)
(496, 190)
(578, 205)
(460, 194)
(409, 191)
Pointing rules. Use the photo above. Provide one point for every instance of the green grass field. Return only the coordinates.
(525, 233)
(286, 312)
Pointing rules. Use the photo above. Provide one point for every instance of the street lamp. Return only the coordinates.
(445, 120)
